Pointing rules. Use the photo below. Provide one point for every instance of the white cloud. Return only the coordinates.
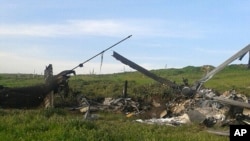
(140, 28)
(72, 27)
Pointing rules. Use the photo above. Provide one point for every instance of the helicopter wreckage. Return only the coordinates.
(193, 103)
(197, 104)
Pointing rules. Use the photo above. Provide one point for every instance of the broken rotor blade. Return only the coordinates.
(144, 71)
(209, 75)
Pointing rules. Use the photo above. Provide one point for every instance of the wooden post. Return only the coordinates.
(48, 75)
(125, 89)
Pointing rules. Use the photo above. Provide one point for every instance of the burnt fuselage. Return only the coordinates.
(31, 96)
(24, 97)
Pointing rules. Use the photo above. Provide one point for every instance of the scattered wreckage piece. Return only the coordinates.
(221, 133)
(118, 105)
(173, 121)
(232, 102)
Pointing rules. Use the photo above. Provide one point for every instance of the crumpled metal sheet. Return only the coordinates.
(207, 108)
(184, 119)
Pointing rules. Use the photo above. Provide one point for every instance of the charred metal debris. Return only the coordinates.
(37, 95)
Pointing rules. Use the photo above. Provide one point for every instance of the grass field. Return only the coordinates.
(61, 124)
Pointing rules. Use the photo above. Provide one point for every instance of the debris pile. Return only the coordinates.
(119, 105)
(196, 104)
(206, 108)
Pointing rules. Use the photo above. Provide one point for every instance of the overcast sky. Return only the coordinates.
(166, 33)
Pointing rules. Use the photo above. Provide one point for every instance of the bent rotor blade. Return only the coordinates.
(144, 71)
(239, 55)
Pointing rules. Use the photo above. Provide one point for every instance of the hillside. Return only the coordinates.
(232, 77)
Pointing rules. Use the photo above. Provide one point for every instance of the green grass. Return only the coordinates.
(233, 77)
(58, 124)
(20, 80)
